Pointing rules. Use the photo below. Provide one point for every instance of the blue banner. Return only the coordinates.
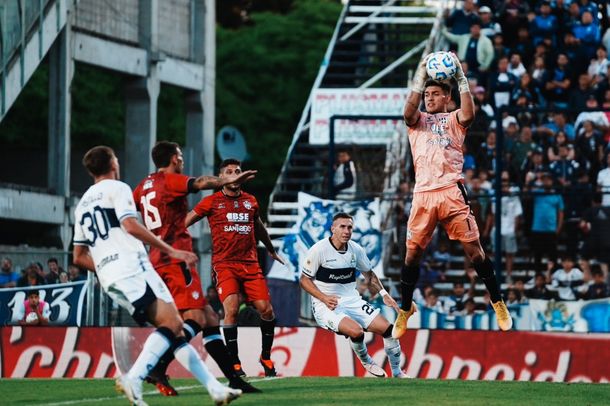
(66, 302)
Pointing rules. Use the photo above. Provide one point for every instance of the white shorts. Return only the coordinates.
(357, 309)
(135, 293)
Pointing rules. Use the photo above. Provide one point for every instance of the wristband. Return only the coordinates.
(383, 292)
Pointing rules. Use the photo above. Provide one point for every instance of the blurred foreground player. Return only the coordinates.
(329, 276)
(436, 139)
(235, 225)
(161, 198)
(108, 239)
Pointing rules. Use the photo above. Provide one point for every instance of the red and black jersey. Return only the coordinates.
(161, 200)
(232, 225)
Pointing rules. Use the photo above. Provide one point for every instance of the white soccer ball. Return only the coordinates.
(440, 66)
(31, 317)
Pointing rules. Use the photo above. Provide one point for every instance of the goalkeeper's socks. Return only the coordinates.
(154, 347)
(359, 348)
(392, 350)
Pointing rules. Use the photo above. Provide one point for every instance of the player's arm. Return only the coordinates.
(375, 286)
(82, 258)
(261, 234)
(308, 286)
(133, 227)
(411, 111)
(465, 114)
(215, 182)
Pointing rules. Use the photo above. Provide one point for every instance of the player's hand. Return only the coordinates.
(389, 301)
(278, 257)
(186, 256)
(460, 72)
(242, 177)
(331, 301)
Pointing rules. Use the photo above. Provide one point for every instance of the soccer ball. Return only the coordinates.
(440, 66)
(31, 317)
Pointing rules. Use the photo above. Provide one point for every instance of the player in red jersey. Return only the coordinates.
(161, 198)
(235, 223)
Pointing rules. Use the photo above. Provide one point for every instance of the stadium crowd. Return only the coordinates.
(35, 274)
(544, 65)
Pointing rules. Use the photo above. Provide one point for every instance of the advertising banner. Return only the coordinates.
(427, 354)
(66, 301)
(329, 102)
(315, 219)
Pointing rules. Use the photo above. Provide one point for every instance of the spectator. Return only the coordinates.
(470, 307)
(75, 274)
(540, 289)
(598, 289)
(32, 276)
(510, 221)
(513, 297)
(559, 83)
(502, 83)
(214, 301)
(52, 276)
(510, 12)
(567, 280)
(590, 148)
(454, 303)
(474, 48)
(437, 265)
(500, 49)
(520, 287)
(63, 277)
(560, 140)
(522, 150)
(581, 93)
(33, 304)
(462, 19)
(595, 225)
(469, 161)
(515, 66)
(543, 25)
(345, 177)
(559, 123)
(547, 222)
(603, 182)
(487, 151)
(525, 95)
(598, 68)
(564, 169)
(572, 49)
(524, 46)
(8, 277)
(587, 34)
(534, 167)
(489, 28)
(481, 96)
(597, 118)
(432, 302)
(588, 6)
(540, 75)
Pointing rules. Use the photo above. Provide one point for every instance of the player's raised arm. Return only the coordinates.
(466, 113)
(411, 111)
(215, 182)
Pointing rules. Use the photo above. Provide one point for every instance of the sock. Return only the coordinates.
(408, 279)
(155, 346)
(187, 357)
(392, 350)
(230, 332)
(485, 270)
(215, 346)
(267, 331)
(190, 328)
(360, 349)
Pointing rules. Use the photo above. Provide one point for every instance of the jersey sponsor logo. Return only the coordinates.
(238, 217)
(91, 200)
(444, 142)
(238, 228)
(105, 261)
(247, 205)
(340, 277)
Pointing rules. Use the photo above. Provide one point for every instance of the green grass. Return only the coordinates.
(316, 391)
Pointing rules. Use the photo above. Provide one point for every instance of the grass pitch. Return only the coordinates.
(315, 391)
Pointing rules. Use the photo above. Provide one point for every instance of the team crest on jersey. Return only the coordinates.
(221, 205)
(430, 119)
(247, 205)
(220, 291)
(195, 294)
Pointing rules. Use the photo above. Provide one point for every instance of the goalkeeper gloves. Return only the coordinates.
(419, 79)
(462, 81)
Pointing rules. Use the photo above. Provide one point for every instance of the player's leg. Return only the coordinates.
(379, 325)
(257, 293)
(354, 331)
(230, 304)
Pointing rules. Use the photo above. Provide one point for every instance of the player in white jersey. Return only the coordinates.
(329, 276)
(108, 240)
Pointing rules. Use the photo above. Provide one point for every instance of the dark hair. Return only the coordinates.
(162, 153)
(596, 271)
(342, 215)
(229, 161)
(98, 160)
(33, 292)
(52, 259)
(445, 86)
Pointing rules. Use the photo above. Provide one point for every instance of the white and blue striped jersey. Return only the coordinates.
(97, 224)
(334, 272)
